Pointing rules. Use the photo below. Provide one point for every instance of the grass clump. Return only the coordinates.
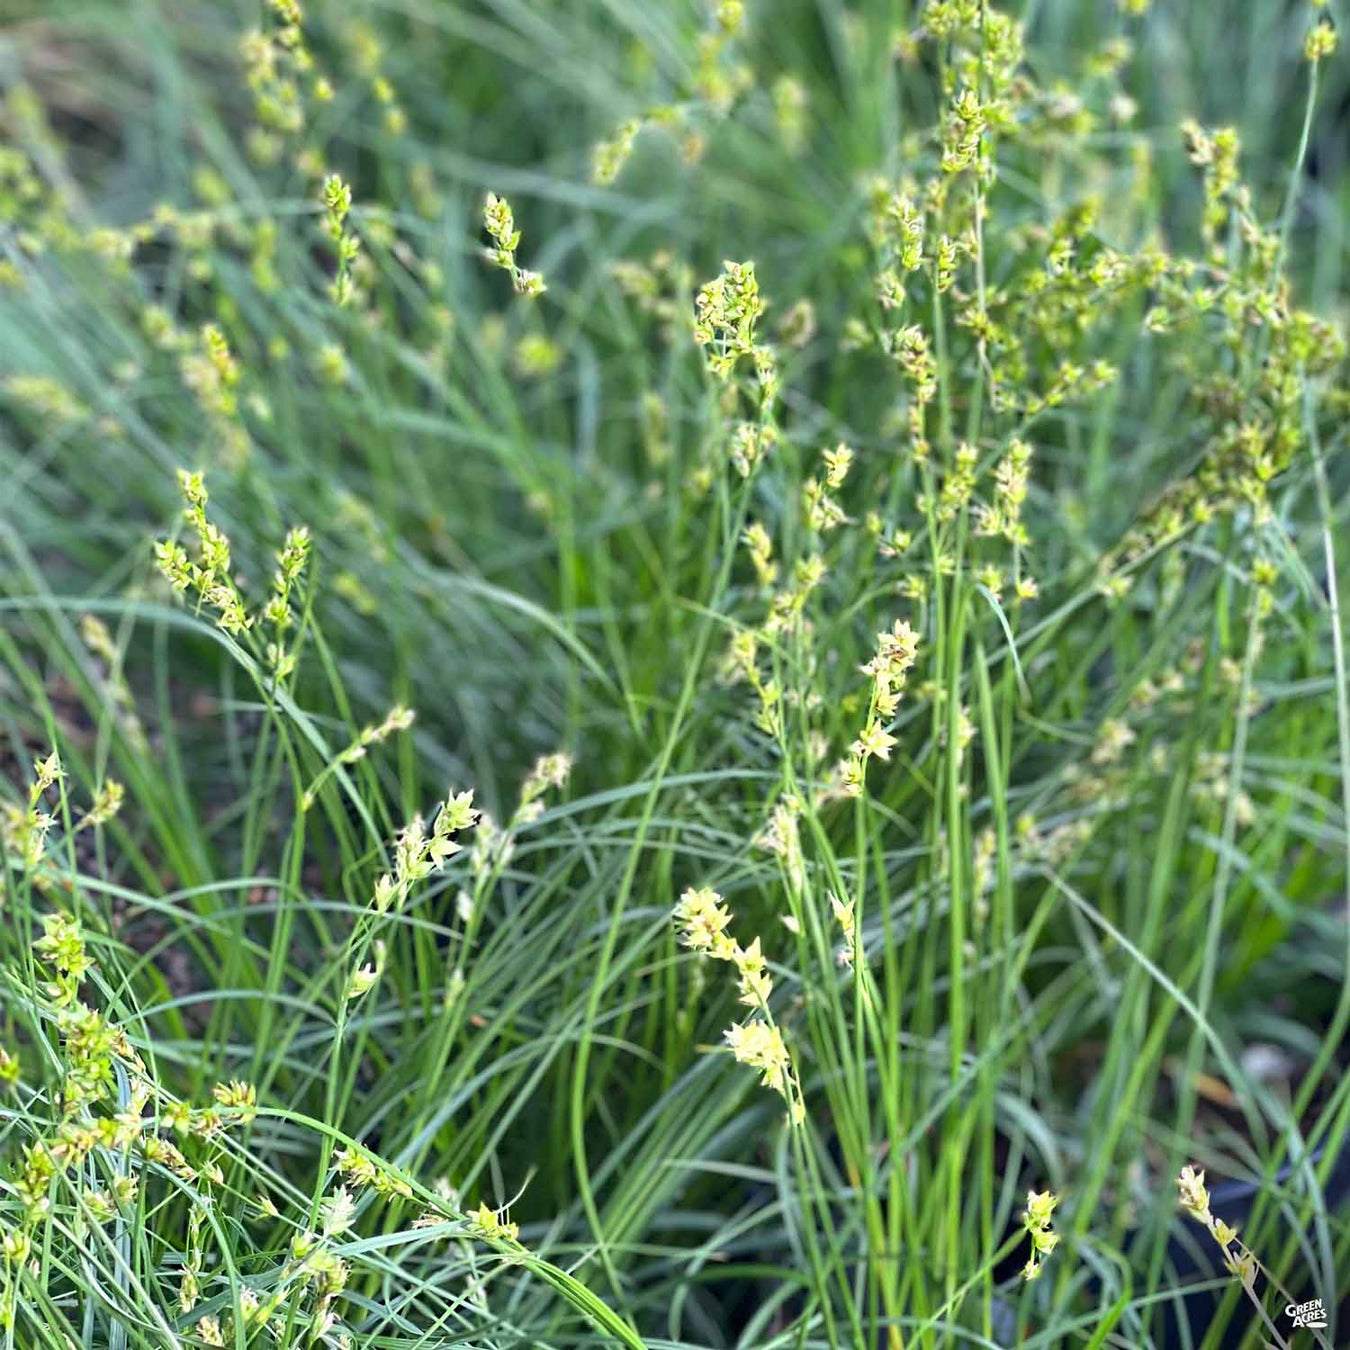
(715, 807)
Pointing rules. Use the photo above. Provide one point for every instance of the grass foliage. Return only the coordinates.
(672, 675)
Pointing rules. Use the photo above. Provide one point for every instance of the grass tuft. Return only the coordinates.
(777, 777)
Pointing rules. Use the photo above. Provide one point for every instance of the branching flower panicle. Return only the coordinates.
(397, 719)
(822, 511)
(337, 204)
(107, 803)
(210, 576)
(493, 1224)
(702, 920)
(760, 548)
(760, 1045)
(26, 827)
(365, 977)
(726, 310)
(842, 910)
(417, 854)
(363, 1172)
(1194, 1199)
(550, 771)
(500, 223)
(897, 650)
(1036, 1221)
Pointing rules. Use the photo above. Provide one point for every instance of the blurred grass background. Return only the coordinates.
(149, 103)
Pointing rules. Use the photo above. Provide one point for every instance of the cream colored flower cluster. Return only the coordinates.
(1036, 1221)
(212, 578)
(897, 650)
(499, 222)
(702, 920)
(1193, 1197)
